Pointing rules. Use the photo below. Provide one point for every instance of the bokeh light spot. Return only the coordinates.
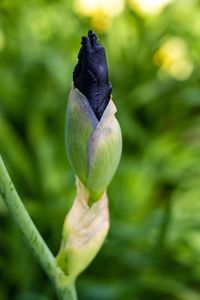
(172, 58)
(101, 12)
(149, 7)
(92, 7)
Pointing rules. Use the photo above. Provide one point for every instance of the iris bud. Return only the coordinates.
(94, 144)
(93, 135)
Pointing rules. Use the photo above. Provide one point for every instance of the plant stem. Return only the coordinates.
(65, 289)
(67, 292)
(24, 222)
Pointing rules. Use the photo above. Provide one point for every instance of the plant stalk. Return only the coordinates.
(66, 292)
(8, 193)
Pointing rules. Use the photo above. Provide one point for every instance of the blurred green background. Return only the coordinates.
(153, 52)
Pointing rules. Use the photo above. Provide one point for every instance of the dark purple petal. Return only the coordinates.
(91, 74)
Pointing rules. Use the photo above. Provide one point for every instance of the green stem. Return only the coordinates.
(65, 290)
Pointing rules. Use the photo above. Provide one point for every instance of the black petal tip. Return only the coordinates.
(90, 75)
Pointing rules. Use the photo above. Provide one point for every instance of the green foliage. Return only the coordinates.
(153, 248)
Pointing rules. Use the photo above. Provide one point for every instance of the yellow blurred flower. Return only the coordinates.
(173, 59)
(101, 23)
(93, 7)
(148, 7)
(100, 11)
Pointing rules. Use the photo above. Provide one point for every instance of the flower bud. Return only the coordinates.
(93, 134)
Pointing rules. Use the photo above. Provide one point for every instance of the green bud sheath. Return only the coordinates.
(84, 232)
(80, 124)
(93, 146)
